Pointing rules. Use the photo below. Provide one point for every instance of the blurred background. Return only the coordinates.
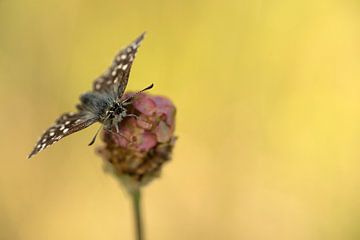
(268, 118)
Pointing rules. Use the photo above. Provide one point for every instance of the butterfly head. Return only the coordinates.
(114, 115)
(118, 110)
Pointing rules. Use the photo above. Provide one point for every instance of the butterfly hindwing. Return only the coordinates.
(118, 74)
(65, 125)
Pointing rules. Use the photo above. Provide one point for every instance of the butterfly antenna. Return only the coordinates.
(133, 96)
(94, 138)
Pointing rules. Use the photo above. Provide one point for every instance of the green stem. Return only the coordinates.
(136, 198)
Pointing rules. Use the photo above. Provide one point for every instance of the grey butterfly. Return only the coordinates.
(104, 104)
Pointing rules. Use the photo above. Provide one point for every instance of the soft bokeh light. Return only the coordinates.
(268, 118)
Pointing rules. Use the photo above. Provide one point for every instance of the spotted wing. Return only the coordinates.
(65, 125)
(118, 74)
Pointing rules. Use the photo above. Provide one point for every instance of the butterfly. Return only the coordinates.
(104, 104)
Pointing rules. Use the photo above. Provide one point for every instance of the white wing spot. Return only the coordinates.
(125, 67)
(44, 140)
(52, 134)
(67, 122)
(77, 121)
(123, 56)
(116, 80)
(97, 86)
(113, 73)
(62, 127)
(65, 130)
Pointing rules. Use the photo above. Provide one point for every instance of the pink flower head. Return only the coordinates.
(143, 143)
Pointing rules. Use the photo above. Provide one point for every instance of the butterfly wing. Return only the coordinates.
(118, 74)
(65, 125)
(115, 78)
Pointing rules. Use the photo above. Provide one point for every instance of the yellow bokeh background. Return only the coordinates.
(268, 99)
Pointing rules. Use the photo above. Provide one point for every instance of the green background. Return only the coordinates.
(268, 119)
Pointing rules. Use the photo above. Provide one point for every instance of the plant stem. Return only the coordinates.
(136, 200)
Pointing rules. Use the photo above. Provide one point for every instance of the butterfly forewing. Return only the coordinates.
(90, 111)
(65, 125)
(118, 74)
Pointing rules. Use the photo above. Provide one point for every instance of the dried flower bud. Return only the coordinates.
(137, 153)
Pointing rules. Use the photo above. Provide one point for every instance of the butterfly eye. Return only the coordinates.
(118, 111)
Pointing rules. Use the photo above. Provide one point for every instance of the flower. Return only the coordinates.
(137, 152)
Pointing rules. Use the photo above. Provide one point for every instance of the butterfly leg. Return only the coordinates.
(117, 128)
(138, 118)
(133, 115)
(125, 103)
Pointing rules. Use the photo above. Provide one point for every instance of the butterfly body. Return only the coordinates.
(97, 104)
(103, 104)
(108, 109)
